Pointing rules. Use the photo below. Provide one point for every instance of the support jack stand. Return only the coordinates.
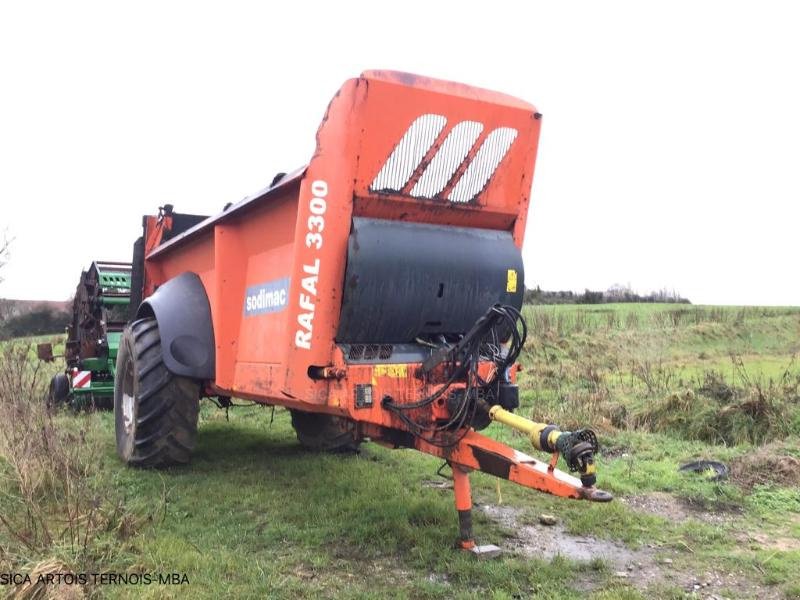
(464, 507)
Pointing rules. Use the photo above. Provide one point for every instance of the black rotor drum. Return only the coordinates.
(406, 280)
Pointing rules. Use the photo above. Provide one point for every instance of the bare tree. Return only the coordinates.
(5, 246)
(5, 305)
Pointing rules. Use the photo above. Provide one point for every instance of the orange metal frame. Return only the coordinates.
(298, 230)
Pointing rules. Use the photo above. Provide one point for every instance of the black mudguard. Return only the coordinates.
(137, 278)
(183, 313)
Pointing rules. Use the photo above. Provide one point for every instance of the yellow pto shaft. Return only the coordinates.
(578, 447)
(531, 428)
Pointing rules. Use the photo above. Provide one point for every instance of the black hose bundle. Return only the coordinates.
(485, 342)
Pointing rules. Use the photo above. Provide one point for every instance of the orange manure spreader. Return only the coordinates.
(375, 293)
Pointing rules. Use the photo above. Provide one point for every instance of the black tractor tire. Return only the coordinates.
(155, 412)
(59, 390)
(326, 433)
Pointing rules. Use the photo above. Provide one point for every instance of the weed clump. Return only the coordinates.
(771, 464)
(54, 504)
(718, 412)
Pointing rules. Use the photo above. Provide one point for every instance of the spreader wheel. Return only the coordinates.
(155, 412)
(323, 432)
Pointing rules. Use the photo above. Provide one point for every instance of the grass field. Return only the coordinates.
(255, 515)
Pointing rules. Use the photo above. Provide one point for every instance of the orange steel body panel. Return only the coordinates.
(300, 231)
(273, 265)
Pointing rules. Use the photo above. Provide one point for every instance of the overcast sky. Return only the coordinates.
(668, 159)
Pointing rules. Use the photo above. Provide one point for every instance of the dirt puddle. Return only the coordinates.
(638, 567)
(548, 541)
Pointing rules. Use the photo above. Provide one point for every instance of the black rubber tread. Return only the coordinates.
(166, 406)
(323, 432)
(59, 389)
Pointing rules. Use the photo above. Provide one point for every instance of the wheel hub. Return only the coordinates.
(127, 412)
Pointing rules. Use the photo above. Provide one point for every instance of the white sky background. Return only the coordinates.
(669, 153)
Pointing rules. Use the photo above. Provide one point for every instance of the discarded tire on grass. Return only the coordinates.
(701, 466)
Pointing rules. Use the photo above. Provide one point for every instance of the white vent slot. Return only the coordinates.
(483, 166)
(408, 153)
(444, 164)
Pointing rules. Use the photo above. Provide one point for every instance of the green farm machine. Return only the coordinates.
(99, 314)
